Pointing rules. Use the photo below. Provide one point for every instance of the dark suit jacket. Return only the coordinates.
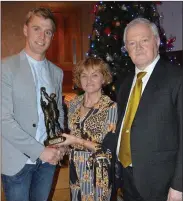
(156, 132)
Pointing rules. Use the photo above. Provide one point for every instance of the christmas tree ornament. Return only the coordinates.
(135, 5)
(123, 7)
(97, 32)
(123, 49)
(170, 42)
(100, 7)
(116, 18)
(116, 37)
(95, 9)
(142, 8)
(107, 31)
(117, 23)
(109, 57)
(157, 2)
(106, 40)
(113, 87)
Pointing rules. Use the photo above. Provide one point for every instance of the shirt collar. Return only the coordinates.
(34, 60)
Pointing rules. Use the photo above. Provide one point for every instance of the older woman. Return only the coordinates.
(92, 119)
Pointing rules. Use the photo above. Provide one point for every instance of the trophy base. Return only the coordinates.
(53, 141)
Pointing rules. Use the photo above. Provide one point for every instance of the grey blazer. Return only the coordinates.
(19, 112)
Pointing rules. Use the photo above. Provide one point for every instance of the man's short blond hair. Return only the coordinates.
(41, 12)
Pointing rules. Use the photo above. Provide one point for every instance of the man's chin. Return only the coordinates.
(142, 65)
(41, 52)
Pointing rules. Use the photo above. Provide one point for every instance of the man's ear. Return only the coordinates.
(25, 29)
(158, 42)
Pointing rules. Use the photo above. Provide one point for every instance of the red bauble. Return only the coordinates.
(170, 42)
(107, 31)
(158, 2)
(116, 37)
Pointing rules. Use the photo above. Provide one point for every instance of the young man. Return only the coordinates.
(27, 165)
(150, 114)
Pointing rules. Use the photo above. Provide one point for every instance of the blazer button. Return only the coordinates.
(34, 125)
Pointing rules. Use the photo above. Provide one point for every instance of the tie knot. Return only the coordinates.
(141, 75)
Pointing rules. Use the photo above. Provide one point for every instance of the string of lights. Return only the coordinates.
(106, 39)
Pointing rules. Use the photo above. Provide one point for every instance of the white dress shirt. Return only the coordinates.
(149, 69)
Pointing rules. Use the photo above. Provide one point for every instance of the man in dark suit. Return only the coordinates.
(150, 125)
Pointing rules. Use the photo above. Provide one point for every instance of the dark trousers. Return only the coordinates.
(31, 183)
(130, 192)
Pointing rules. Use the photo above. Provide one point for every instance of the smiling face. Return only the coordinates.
(91, 80)
(142, 45)
(38, 33)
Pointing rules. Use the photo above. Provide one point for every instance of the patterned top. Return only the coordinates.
(89, 170)
(100, 120)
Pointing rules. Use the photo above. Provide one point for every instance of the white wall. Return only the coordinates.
(171, 21)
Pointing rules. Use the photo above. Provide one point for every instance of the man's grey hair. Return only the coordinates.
(140, 20)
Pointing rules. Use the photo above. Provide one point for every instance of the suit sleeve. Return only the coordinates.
(11, 129)
(178, 178)
(109, 140)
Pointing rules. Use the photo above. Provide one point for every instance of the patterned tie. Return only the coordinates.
(125, 150)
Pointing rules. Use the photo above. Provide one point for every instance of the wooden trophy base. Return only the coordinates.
(54, 140)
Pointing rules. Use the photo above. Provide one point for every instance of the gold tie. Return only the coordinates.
(125, 150)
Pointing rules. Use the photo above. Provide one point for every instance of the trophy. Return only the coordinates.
(51, 116)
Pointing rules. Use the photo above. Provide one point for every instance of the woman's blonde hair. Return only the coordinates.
(94, 63)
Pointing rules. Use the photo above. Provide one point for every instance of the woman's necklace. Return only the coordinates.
(90, 107)
(84, 112)
(86, 106)
(87, 110)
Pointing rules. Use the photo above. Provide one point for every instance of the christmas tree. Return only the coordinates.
(106, 40)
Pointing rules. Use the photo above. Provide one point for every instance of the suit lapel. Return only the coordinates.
(123, 99)
(28, 89)
(152, 86)
(53, 82)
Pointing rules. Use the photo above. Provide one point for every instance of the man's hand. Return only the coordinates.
(51, 155)
(63, 149)
(174, 195)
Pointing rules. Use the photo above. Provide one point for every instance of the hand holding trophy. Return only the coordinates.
(51, 116)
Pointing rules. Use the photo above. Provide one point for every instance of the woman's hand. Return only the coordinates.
(70, 140)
